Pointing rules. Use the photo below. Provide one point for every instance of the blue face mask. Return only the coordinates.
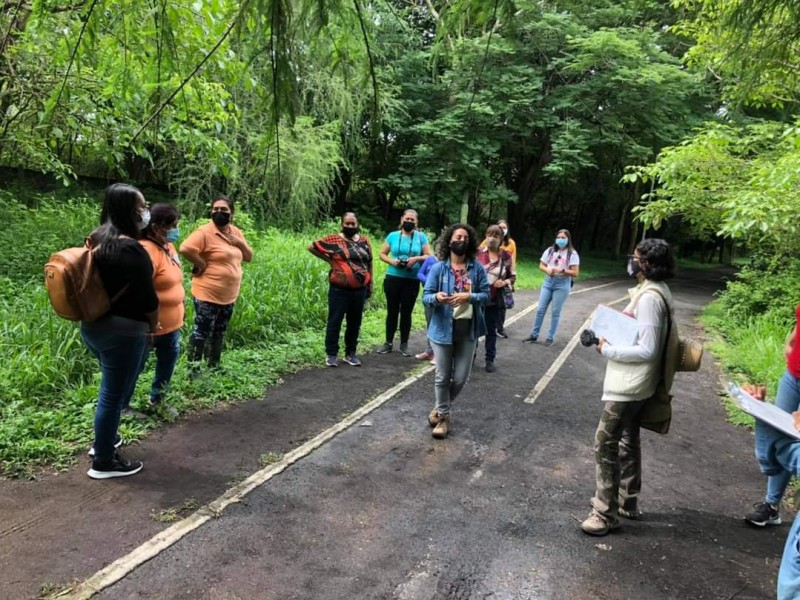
(561, 242)
(172, 235)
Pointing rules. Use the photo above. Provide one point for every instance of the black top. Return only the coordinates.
(131, 267)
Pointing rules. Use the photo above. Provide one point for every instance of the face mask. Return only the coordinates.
(221, 218)
(505, 231)
(172, 235)
(562, 242)
(144, 219)
(458, 248)
(408, 226)
(493, 243)
(349, 231)
(634, 267)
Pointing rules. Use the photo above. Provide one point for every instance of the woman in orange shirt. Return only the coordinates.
(158, 238)
(216, 250)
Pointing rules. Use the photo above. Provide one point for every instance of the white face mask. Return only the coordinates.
(505, 231)
(144, 219)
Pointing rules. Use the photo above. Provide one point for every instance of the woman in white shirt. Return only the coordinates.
(632, 375)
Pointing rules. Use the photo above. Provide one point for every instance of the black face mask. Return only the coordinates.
(221, 218)
(633, 267)
(349, 232)
(458, 248)
(408, 226)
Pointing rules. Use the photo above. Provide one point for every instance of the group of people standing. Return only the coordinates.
(141, 272)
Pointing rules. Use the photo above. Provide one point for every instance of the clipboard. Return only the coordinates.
(764, 411)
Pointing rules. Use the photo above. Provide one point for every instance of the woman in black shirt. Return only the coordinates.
(119, 339)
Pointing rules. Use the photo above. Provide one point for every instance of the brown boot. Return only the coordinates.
(433, 418)
(442, 427)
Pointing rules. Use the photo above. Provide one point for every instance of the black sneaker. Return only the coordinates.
(404, 350)
(490, 368)
(386, 348)
(531, 339)
(117, 444)
(764, 514)
(501, 333)
(116, 467)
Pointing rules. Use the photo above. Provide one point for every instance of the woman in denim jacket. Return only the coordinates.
(458, 289)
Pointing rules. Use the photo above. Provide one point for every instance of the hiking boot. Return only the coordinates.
(433, 417)
(404, 349)
(352, 360)
(531, 339)
(490, 368)
(117, 444)
(632, 514)
(116, 467)
(424, 355)
(501, 333)
(331, 361)
(548, 342)
(386, 348)
(597, 524)
(442, 427)
(764, 514)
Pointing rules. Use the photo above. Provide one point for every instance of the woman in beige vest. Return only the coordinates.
(632, 375)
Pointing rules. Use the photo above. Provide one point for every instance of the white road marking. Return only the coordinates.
(125, 565)
(545, 379)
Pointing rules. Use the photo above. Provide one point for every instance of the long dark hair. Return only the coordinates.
(472, 245)
(118, 217)
(507, 235)
(655, 257)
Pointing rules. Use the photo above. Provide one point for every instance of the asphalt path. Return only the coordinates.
(382, 510)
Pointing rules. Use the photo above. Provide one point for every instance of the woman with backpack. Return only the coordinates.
(458, 290)
(632, 376)
(158, 240)
(120, 338)
(216, 251)
(561, 265)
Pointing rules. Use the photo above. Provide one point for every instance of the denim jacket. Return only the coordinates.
(441, 279)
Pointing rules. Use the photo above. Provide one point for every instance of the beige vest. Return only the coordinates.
(625, 381)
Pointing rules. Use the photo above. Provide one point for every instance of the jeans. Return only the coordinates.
(453, 366)
(120, 359)
(401, 295)
(554, 290)
(501, 319)
(789, 574)
(167, 348)
(492, 316)
(343, 304)
(428, 316)
(618, 458)
(787, 399)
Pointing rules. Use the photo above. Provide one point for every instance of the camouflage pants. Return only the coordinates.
(618, 458)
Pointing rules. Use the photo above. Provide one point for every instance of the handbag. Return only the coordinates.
(507, 295)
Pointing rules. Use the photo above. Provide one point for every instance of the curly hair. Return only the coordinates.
(655, 257)
(444, 241)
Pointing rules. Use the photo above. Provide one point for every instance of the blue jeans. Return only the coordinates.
(789, 574)
(344, 304)
(453, 366)
(120, 359)
(167, 348)
(428, 316)
(787, 399)
(492, 316)
(554, 291)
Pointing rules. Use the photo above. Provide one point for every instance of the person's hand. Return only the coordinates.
(551, 271)
(796, 417)
(600, 345)
(500, 283)
(459, 299)
(441, 297)
(412, 260)
(198, 268)
(759, 392)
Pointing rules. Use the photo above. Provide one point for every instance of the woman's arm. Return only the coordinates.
(384, 255)
(482, 295)
(426, 252)
(191, 250)
(431, 291)
(651, 318)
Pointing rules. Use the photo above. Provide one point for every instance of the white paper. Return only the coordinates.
(619, 329)
(764, 411)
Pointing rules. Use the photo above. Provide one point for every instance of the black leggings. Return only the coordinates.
(401, 295)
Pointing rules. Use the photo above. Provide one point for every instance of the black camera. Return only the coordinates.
(588, 338)
(402, 263)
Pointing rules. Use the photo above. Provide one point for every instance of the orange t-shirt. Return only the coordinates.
(168, 281)
(221, 280)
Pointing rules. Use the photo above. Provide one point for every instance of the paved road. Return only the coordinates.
(385, 511)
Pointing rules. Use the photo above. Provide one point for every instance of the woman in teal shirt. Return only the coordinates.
(404, 251)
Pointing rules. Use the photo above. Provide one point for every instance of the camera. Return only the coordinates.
(588, 338)
(402, 263)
